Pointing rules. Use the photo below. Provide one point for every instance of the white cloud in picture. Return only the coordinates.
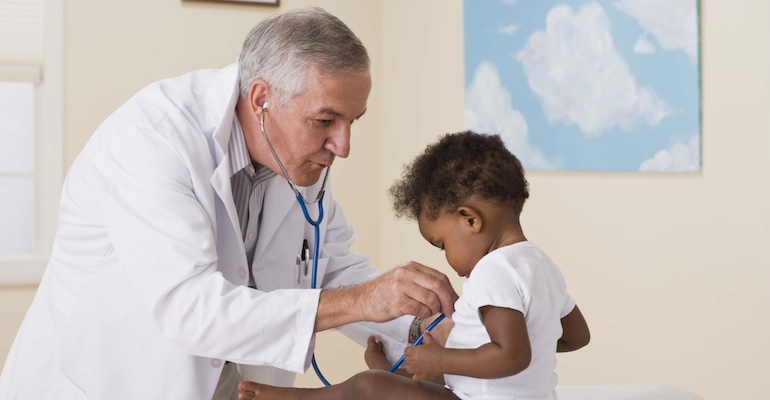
(488, 109)
(508, 29)
(643, 46)
(681, 157)
(673, 22)
(581, 78)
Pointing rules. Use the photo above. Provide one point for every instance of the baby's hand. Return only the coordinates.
(375, 355)
(424, 361)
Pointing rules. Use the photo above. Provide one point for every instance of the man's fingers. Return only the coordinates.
(440, 287)
(433, 288)
(411, 289)
(423, 302)
(409, 295)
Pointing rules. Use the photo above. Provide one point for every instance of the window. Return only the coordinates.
(30, 135)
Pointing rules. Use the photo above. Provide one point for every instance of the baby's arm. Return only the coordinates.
(575, 332)
(507, 353)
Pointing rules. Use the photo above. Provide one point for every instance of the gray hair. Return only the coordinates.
(280, 49)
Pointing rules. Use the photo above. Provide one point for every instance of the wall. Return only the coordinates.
(670, 270)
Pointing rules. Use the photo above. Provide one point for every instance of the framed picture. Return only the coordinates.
(587, 85)
(258, 2)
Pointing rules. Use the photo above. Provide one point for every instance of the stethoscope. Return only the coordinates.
(316, 223)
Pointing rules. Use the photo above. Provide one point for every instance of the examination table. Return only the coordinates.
(623, 392)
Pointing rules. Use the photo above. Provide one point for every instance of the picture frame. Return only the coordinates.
(584, 85)
(273, 3)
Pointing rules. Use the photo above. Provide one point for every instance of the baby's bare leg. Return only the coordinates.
(372, 384)
(254, 391)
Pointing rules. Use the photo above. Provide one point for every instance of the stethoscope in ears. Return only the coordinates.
(316, 223)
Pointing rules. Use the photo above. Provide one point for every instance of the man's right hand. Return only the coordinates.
(410, 289)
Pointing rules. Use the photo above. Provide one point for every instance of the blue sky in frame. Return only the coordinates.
(586, 85)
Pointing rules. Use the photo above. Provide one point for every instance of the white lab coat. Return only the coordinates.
(144, 296)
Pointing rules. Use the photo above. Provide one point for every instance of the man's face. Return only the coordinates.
(313, 128)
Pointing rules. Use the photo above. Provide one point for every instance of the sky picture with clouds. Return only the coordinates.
(586, 85)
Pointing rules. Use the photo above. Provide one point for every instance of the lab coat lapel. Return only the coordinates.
(225, 84)
(220, 181)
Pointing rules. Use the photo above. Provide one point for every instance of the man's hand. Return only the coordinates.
(375, 355)
(411, 289)
(424, 361)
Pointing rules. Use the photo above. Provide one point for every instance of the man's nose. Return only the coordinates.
(339, 141)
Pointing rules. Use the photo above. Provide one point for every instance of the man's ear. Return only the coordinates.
(470, 218)
(258, 94)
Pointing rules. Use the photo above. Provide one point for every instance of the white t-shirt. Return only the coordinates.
(523, 278)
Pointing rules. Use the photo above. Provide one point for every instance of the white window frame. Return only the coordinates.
(48, 148)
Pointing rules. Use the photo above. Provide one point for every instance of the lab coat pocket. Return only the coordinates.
(306, 279)
(62, 388)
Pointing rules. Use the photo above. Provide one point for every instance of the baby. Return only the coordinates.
(467, 192)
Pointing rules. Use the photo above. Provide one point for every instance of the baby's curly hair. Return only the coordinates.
(458, 166)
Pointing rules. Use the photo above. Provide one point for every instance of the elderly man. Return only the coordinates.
(174, 271)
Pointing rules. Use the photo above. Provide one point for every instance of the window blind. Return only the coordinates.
(21, 40)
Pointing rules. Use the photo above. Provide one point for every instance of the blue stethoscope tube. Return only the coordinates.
(417, 341)
(316, 228)
(316, 223)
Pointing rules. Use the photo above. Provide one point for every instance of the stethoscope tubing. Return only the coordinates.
(316, 228)
(317, 233)
(313, 282)
(417, 341)
(315, 223)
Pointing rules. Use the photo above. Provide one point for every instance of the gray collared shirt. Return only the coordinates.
(248, 184)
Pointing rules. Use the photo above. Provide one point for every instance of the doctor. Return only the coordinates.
(174, 272)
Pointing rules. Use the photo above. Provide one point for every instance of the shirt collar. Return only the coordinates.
(239, 154)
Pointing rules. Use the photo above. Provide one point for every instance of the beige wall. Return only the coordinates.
(669, 269)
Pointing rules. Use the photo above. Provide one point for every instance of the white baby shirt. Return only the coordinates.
(523, 278)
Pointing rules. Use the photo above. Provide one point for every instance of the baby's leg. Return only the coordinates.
(372, 384)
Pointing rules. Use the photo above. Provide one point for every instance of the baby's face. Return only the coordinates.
(451, 233)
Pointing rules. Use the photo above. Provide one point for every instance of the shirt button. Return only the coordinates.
(216, 363)
(250, 236)
(242, 273)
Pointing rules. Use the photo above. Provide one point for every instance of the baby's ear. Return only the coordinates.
(470, 218)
